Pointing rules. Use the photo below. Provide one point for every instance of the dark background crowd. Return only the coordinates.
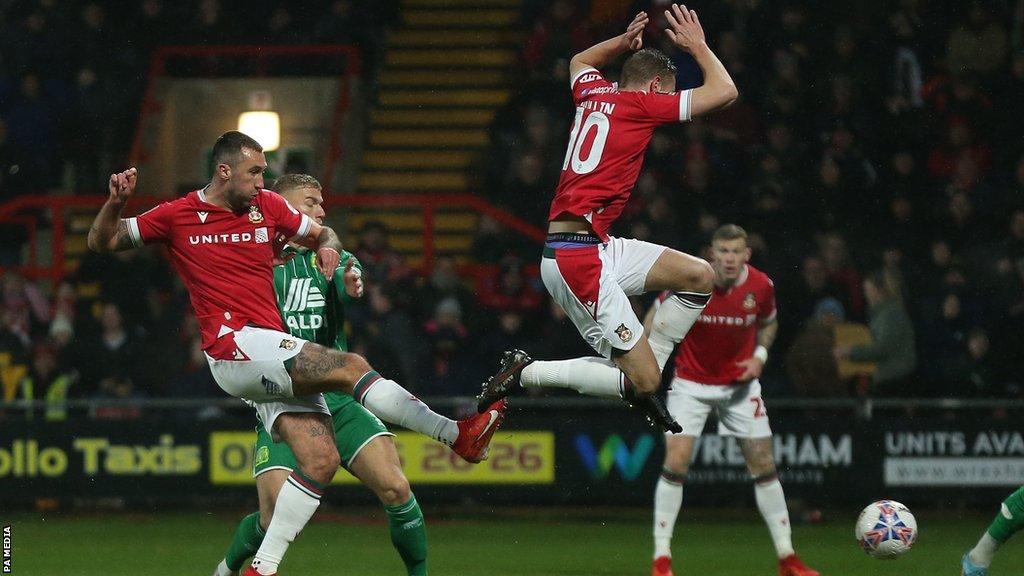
(873, 141)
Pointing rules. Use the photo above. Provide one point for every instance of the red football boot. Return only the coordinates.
(476, 431)
(250, 571)
(792, 566)
(662, 566)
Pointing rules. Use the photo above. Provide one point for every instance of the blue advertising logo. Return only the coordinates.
(615, 452)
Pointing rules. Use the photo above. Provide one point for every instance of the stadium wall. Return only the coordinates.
(579, 457)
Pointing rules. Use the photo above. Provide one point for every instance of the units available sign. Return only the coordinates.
(954, 458)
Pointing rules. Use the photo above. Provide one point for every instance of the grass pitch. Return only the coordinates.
(535, 542)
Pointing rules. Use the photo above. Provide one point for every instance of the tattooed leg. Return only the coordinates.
(310, 436)
(319, 369)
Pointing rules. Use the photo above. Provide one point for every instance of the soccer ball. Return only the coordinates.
(886, 529)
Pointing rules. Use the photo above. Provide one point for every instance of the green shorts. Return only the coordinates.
(354, 427)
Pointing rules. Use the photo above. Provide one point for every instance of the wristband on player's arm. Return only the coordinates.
(761, 353)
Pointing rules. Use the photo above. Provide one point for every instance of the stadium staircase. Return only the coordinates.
(444, 76)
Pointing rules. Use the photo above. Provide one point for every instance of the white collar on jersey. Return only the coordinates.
(202, 193)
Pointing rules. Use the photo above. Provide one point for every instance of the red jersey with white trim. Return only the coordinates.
(224, 258)
(726, 331)
(606, 146)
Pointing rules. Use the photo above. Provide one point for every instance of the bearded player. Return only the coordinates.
(592, 275)
(313, 309)
(221, 241)
(717, 369)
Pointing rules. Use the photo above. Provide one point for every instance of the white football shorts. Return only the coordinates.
(593, 284)
(260, 377)
(739, 408)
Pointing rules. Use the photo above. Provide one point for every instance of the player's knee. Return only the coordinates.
(700, 277)
(322, 468)
(357, 363)
(395, 490)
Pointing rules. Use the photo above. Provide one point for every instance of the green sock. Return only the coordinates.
(1010, 518)
(248, 537)
(409, 535)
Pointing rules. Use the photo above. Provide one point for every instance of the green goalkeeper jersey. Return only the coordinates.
(311, 307)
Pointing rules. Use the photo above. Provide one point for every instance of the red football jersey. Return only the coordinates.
(224, 258)
(726, 331)
(606, 146)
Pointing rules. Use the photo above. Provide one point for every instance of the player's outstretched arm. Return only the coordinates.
(602, 54)
(327, 245)
(109, 232)
(718, 90)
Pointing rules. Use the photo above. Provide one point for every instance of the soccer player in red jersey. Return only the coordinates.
(592, 275)
(717, 368)
(221, 239)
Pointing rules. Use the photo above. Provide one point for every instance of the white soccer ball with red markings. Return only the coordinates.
(886, 529)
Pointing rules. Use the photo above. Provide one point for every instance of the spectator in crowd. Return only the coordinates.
(448, 340)
(47, 382)
(811, 368)
(893, 348)
(115, 353)
(381, 263)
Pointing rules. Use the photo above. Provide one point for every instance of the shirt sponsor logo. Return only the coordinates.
(235, 238)
(589, 78)
(302, 295)
(262, 236)
(728, 320)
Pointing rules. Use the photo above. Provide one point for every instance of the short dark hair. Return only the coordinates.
(228, 148)
(288, 182)
(644, 65)
(729, 232)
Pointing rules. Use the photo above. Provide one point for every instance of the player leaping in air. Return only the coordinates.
(313, 309)
(716, 370)
(592, 275)
(221, 241)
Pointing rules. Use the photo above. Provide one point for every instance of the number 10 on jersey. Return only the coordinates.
(580, 130)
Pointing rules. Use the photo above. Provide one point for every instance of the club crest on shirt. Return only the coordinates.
(625, 334)
(287, 344)
(749, 301)
(254, 215)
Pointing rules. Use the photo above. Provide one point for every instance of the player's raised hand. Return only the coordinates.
(634, 36)
(353, 280)
(122, 184)
(327, 260)
(684, 28)
(752, 368)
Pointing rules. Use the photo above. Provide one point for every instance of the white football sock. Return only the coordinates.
(391, 403)
(296, 503)
(668, 498)
(672, 320)
(771, 501)
(223, 570)
(589, 375)
(984, 550)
